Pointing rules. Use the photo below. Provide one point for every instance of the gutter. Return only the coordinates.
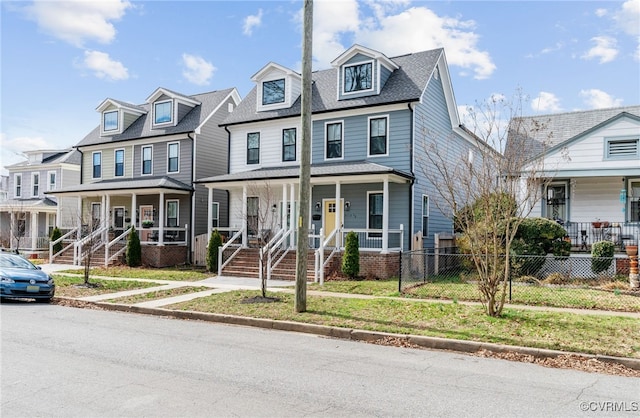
(193, 195)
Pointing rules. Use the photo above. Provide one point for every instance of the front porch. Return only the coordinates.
(25, 226)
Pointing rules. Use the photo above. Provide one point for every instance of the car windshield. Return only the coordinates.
(15, 261)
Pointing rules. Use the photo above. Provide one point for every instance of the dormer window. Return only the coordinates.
(358, 77)
(162, 112)
(110, 121)
(273, 92)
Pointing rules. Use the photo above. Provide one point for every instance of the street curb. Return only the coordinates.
(434, 343)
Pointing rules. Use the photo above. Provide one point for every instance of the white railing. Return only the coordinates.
(171, 235)
(107, 248)
(276, 248)
(320, 262)
(371, 239)
(94, 238)
(230, 243)
(63, 239)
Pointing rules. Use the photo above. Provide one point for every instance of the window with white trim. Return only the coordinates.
(163, 112)
(358, 77)
(622, 149)
(215, 214)
(110, 121)
(35, 184)
(172, 213)
(273, 91)
(253, 148)
(378, 135)
(289, 144)
(173, 152)
(119, 163)
(51, 184)
(333, 141)
(425, 215)
(97, 165)
(375, 206)
(147, 159)
(17, 179)
(556, 199)
(634, 201)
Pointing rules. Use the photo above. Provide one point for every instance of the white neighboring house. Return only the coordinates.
(27, 215)
(593, 161)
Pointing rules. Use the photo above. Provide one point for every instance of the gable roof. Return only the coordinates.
(67, 156)
(537, 134)
(274, 66)
(359, 49)
(121, 105)
(405, 84)
(141, 128)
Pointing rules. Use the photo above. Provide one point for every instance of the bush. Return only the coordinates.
(133, 254)
(601, 256)
(215, 242)
(351, 257)
(537, 237)
(56, 234)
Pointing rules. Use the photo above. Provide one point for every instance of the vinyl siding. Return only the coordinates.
(108, 164)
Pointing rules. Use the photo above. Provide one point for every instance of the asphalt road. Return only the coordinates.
(60, 361)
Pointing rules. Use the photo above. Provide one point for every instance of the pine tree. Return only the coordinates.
(134, 251)
(351, 257)
(215, 242)
(56, 234)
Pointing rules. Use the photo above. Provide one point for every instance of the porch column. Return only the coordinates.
(107, 210)
(34, 230)
(161, 220)
(58, 222)
(209, 213)
(283, 215)
(338, 215)
(103, 208)
(79, 219)
(244, 216)
(12, 229)
(385, 216)
(293, 219)
(134, 210)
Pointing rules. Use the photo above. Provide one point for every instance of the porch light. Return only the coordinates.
(317, 207)
(347, 206)
(273, 208)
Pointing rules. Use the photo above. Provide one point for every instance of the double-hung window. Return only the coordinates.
(173, 151)
(333, 140)
(358, 77)
(425, 215)
(35, 184)
(289, 144)
(119, 163)
(97, 165)
(378, 136)
(253, 148)
(273, 92)
(163, 112)
(172, 213)
(215, 214)
(18, 185)
(147, 165)
(51, 185)
(374, 220)
(634, 201)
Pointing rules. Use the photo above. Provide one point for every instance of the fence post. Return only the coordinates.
(400, 273)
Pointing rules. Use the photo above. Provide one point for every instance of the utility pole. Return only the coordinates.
(305, 162)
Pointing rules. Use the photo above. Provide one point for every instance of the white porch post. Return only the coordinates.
(293, 219)
(244, 217)
(209, 213)
(338, 215)
(161, 220)
(58, 222)
(79, 220)
(134, 204)
(107, 211)
(34, 230)
(103, 208)
(12, 229)
(385, 216)
(283, 216)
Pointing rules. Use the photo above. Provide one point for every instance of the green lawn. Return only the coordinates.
(71, 286)
(609, 335)
(158, 294)
(179, 274)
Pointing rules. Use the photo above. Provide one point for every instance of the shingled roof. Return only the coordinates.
(404, 85)
(141, 128)
(540, 133)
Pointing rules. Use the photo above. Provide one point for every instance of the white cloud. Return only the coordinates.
(252, 21)
(78, 21)
(197, 70)
(601, 12)
(418, 27)
(546, 102)
(605, 49)
(104, 67)
(598, 99)
(12, 149)
(628, 17)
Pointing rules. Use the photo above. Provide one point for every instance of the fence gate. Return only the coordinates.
(200, 250)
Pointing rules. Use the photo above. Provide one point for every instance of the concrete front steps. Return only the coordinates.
(246, 264)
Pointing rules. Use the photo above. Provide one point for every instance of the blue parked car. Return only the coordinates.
(20, 279)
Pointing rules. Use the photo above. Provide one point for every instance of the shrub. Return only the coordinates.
(351, 257)
(601, 255)
(215, 241)
(133, 254)
(537, 237)
(56, 234)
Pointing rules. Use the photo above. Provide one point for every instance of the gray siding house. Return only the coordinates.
(28, 215)
(138, 167)
(371, 115)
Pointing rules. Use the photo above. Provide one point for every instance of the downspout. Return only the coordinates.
(412, 187)
(228, 209)
(193, 206)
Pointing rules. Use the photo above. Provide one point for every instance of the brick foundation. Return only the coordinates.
(373, 266)
(622, 266)
(164, 256)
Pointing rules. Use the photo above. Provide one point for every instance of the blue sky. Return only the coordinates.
(61, 59)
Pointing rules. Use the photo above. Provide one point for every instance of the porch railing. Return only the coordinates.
(122, 238)
(64, 239)
(171, 235)
(320, 262)
(371, 239)
(584, 234)
(232, 243)
(94, 239)
(276, 250)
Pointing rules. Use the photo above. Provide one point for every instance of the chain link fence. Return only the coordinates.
(578, 281)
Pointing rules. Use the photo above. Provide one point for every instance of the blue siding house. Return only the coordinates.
(372, 118)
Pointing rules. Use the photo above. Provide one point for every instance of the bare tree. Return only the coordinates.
(488, 187)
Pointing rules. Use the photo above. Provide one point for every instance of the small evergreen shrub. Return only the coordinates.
(215, 242)
(351, 257)
(133, 254)
(601, 256)
(56, 234)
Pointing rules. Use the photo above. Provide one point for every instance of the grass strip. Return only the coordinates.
(73, 286)
(159, 294)
(177, 274)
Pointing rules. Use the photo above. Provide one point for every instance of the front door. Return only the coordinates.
(146, 214)
(118, 220)
(329, 223)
